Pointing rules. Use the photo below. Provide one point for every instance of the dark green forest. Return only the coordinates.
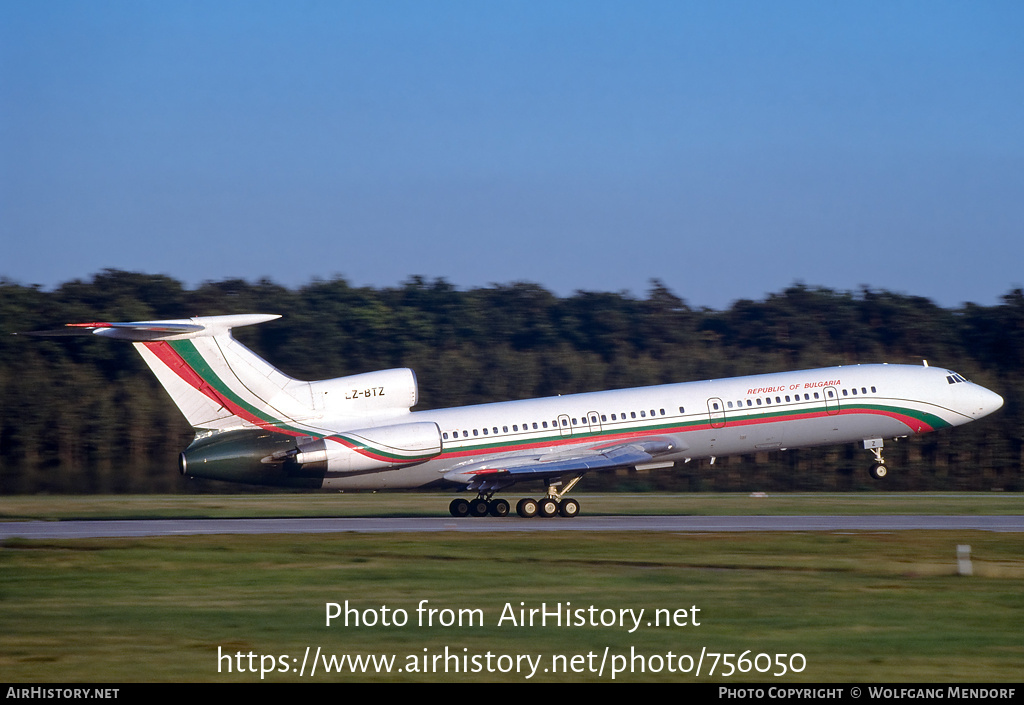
(84, 415)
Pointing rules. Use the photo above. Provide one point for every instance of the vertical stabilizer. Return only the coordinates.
(215, 381)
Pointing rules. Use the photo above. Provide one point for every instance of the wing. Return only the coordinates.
(497, 473)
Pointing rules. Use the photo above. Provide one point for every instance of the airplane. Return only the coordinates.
(256, 425)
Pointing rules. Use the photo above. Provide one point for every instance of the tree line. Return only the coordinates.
(86, 415)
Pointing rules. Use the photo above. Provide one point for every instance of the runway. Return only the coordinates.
(675, 524)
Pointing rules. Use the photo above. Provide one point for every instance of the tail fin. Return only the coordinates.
(216, 382)
(220, 385)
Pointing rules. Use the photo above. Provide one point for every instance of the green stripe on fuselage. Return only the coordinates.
(731, 418)
(194, 359)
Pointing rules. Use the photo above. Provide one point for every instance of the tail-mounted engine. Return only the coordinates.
(264, 457)
(372, 448)
(364, 394)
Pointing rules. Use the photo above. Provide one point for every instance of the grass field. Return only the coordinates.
(866, 607)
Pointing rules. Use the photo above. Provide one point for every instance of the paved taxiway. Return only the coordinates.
(685, 524)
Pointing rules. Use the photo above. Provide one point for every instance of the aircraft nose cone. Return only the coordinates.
(986, 402)
(995, 401)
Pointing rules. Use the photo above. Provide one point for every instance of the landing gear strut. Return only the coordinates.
(878, 469)
(554, 503)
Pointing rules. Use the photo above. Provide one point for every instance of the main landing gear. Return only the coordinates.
(547, 507)
(479, 507)
(554, 503)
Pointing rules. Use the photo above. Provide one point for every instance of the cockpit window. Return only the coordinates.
(954, 378)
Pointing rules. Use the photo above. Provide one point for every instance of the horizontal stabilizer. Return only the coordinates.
(177, 329)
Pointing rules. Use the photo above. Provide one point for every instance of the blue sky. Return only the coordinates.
(726, 148)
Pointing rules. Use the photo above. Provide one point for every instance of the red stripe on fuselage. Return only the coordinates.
(613, 439)
(370, 453)
(915, 425)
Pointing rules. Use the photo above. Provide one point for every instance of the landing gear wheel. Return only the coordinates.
(878, 471)
(526, 508)
(569, 508)
(498, 508)
(478, 507)
(459, 508)
(547, 507)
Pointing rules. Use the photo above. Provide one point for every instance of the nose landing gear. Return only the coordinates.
(878, 469)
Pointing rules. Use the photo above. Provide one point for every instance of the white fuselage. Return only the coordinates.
(707, 419)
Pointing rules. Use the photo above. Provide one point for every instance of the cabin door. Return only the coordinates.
(831, 401)
(716, 412)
